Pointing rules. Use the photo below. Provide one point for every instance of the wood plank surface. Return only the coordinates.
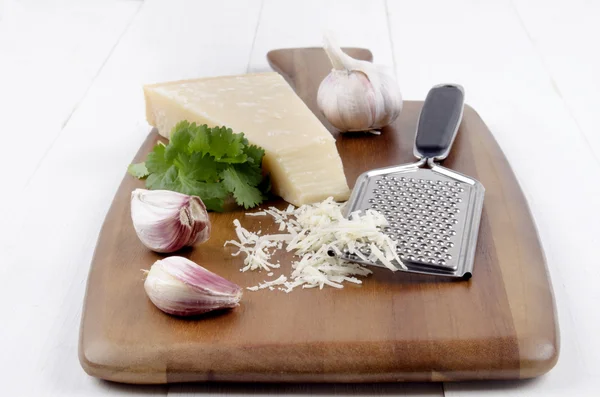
(395, 327)
(73, 40)
(82, 170)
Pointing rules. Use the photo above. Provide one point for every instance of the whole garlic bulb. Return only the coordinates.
(180, 287)
(357, 95)
(167, 221)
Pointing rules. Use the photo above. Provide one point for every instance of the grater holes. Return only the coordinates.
(424, 215)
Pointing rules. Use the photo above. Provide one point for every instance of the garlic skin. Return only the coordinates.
(167, 221)
(357, 95)
(180, 287)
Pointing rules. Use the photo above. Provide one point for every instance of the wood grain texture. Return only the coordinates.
(395, 327)
(87, 33)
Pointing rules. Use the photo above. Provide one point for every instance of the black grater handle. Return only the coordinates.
(439, 120)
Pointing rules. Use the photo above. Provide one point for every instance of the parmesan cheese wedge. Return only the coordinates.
(300, 153)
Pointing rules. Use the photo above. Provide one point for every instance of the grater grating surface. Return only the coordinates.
(433, 213)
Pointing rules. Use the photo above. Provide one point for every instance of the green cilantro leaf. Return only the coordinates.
(202, 168)
(255, 154)
(164, 180)
(244, 193)
(211, 163)
(138, 170)
(156, 162)
(200, 142)
(180, 140)
(226, 146)
(248, 173)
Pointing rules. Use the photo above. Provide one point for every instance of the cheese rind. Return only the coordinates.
(300, 153)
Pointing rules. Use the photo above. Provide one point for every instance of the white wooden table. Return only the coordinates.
(71, 119)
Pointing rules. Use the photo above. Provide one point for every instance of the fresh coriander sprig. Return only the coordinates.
(212, 163)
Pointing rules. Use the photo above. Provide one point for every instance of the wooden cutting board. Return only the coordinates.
(501, 324)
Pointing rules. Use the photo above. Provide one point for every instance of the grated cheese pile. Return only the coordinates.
(312, 232)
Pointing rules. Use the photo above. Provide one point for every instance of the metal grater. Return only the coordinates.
(433, 212)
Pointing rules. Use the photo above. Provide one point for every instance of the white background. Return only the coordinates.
(71, 119)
